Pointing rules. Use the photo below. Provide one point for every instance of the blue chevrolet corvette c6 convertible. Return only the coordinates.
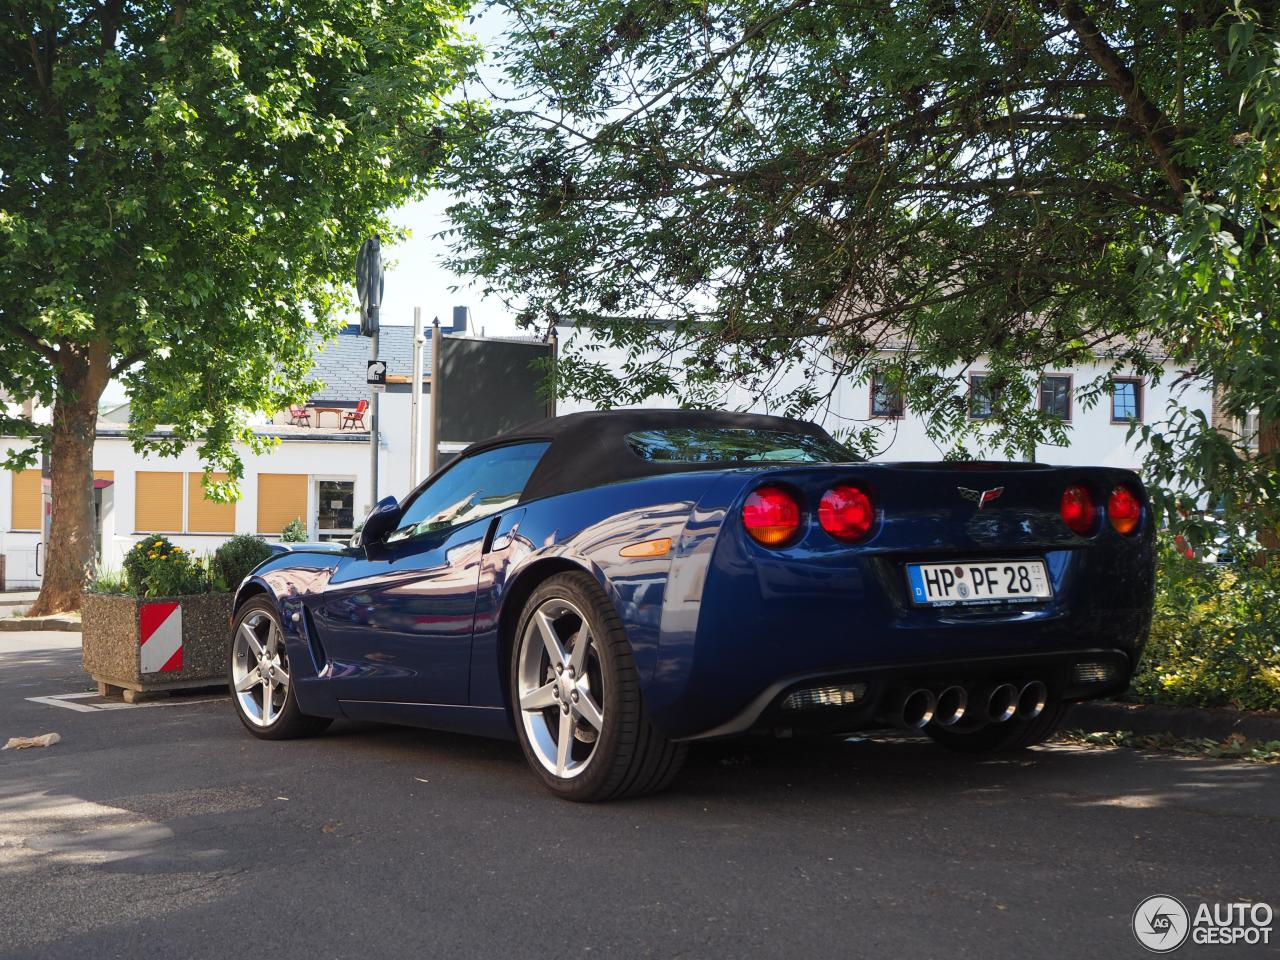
(607, 587)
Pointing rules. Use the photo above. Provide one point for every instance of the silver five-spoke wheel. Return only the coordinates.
(260, 669)
(560, 687)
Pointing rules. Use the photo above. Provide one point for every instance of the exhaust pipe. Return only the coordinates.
(1032, 700)
(1002, 702)
(951, 705)
(911, 709)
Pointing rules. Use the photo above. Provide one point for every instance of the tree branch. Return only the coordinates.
(34, 342)
(1156, 128)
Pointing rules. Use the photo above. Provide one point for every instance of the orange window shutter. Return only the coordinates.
(205, 515)
(282, 497)
(26, 500)
(157, 502)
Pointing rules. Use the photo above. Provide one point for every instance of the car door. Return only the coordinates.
(396, 624)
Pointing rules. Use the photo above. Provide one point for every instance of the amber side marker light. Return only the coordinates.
(771, 515)
(648, 548)
(1124, 510)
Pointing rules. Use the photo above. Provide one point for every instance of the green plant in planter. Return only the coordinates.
(154, 567)
(294, 531)
(234, 559)
(140, 558)
(109, 581)
(174, 574)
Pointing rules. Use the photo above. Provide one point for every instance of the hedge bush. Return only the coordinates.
(1215, 637)
(234, 559)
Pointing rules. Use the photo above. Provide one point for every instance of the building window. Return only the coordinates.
(335, 509)
(205, 515)
(282, 498)
(1249, 431)
(982, 397)
(1055, 396)
(157, 502)
(26, 502)
(886, 399)
(1126, 401)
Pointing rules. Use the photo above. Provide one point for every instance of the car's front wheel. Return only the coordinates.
(260, 678)
(576, 698)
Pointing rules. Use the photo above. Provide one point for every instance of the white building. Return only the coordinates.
(320, 471)
(1098, 434)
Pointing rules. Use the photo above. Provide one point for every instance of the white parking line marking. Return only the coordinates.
(66, 701)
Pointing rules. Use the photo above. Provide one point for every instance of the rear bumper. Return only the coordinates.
(1058, 670)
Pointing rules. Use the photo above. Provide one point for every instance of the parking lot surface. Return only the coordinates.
(166, 831)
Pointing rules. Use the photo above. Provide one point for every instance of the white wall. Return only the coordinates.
(317, 459)
(1093, 438)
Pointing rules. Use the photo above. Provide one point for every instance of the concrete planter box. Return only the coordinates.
(147, 647)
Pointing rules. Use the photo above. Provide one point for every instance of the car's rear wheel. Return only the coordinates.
(260, 679)
(576, 698)
(1013, 734)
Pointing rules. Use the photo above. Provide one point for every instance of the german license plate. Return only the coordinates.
(971, 581)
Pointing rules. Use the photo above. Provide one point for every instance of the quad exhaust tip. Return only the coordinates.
(951, 705)
(1002, 702)
(912, 709)
(1032, 699)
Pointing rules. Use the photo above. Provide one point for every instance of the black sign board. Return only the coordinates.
(369, 283)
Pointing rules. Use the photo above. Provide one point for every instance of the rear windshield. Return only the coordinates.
(729, 445)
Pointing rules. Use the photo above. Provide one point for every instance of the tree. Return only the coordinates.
(183, 188)
(739, 190)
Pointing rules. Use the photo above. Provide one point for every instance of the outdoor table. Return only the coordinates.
(336, 411)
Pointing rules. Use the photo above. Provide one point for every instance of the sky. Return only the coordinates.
(417, 277)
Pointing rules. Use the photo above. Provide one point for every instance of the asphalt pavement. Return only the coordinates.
(166, 831)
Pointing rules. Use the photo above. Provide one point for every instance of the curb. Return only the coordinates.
(1183, 722)
(14, 624)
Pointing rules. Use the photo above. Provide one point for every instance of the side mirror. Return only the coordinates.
(382, 519)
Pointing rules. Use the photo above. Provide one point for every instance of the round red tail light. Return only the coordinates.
(846, 513)
(1077, 509)
(771, 515)
(1124, 510)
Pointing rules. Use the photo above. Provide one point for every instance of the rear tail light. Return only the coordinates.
(1124, 510)
(1077, 509)
(846, 513)
(771, 515)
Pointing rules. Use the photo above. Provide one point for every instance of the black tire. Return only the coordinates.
(1004, 737)
(291, 723)
(630, 758)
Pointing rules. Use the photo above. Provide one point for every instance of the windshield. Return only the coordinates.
(735, 445)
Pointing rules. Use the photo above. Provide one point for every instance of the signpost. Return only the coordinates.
(369, 285)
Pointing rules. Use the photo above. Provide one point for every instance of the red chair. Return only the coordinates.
(299, 416)
(355, 416)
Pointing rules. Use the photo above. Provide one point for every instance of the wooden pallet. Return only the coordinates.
(137, 693)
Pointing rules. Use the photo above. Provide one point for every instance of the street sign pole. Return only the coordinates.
(415, 402)
(433, 415)
(373, 423)
(369, 286)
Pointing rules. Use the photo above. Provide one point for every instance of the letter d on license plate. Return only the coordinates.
(973, 581)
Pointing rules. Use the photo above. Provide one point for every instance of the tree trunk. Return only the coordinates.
(1269, 450)
(70, 553)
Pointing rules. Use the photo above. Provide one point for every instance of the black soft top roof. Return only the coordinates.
(589, 449)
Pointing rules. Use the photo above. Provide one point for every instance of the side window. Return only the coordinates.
(475, 487)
